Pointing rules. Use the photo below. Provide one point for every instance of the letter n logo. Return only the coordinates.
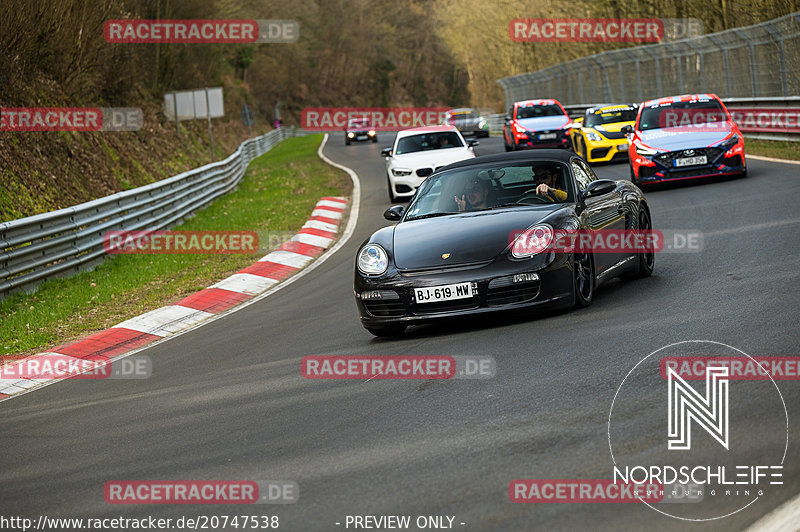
(686, 404)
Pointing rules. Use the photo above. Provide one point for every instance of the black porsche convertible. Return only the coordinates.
(463, 245)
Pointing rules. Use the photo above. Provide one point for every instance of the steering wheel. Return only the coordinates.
(533, 195)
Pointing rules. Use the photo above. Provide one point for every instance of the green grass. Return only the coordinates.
(779, 149)
(278, 193)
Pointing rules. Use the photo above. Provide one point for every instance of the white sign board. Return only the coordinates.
(192, 104)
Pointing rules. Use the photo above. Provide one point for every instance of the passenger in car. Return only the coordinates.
(477, 196)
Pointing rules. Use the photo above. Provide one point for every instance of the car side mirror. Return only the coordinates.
(626, 130)
(386, 152)
(508, 118)
(598, 188)
(394, 213)
(472, 143)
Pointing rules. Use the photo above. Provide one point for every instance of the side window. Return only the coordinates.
(581, 177)
(588, 170)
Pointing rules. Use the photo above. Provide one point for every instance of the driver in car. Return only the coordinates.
(477, 196)
(546, 179)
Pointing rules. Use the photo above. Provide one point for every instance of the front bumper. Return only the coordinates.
(360, 136)
(493, 290)
(662, 168)
(606, 150)
(533, 140)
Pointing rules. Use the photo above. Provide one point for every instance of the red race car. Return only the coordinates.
(536, 124)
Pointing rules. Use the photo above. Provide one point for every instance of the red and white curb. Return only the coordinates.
(247, 286)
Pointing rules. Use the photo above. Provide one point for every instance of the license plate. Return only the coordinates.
(622, 147)
(447, 292)
(547, 136)
(361, 137)
(691, 161)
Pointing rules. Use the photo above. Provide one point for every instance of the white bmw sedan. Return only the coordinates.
(418, 152)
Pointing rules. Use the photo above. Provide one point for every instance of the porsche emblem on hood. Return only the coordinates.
(445, 255)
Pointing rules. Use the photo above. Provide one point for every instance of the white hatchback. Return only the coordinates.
(420, 151)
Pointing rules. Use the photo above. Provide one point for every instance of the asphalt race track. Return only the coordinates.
(227, 401)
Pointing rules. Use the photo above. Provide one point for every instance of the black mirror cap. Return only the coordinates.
(508, 118)
(626, 130)
(598, 188)
(394, 213)
(472, 143)
(386, 152)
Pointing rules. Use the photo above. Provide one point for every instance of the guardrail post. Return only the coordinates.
(725, 63)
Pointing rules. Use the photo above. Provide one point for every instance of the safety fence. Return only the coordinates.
(63, 242)
(756, 61)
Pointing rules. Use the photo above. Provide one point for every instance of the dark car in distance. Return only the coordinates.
(460, 249)
(468, 121)
(359, 129)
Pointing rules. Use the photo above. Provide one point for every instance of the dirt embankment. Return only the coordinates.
(44, 171)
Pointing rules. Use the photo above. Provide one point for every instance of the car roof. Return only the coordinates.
(426, 129)
(462, 110)
(526, 155)
(528, 103)
(681, 98)
(609, 107)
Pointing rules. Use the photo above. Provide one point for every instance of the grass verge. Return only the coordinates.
(277, 194)
(779, 149)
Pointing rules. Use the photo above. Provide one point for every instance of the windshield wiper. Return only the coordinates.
(504, 205)
(430, 215)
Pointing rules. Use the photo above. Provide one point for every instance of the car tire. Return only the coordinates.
(508, 148)
(584, 279)
(384, 331)
(646, 260)
(374, 139)
(346, 142)
(392, 197)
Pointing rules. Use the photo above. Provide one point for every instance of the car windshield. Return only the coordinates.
(461, 115)
(487, 187)
(675, 114)
(609, 117)
(428, 141)
(535, 111)
(363, 122)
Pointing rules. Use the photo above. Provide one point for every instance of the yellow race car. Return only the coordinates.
(597, 137)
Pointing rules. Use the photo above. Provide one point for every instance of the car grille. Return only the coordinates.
(646, 171)
(613, 135)
(424, 172)
(696, 171)
(385, 309)
(710, 153)
(732, 161)
(503, 293)
(446, 306)
(599, 153)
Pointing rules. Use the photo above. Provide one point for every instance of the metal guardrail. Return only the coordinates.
(762, 60)
(734, 105)
(66, 241)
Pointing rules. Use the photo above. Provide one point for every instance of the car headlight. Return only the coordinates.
(400, 172)
(372, 259)
(482, 123)
(644, 150)
(532, 241)
(351, 134)
(594, 137)
(519, 129)
(371, 132)
(730, 143)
